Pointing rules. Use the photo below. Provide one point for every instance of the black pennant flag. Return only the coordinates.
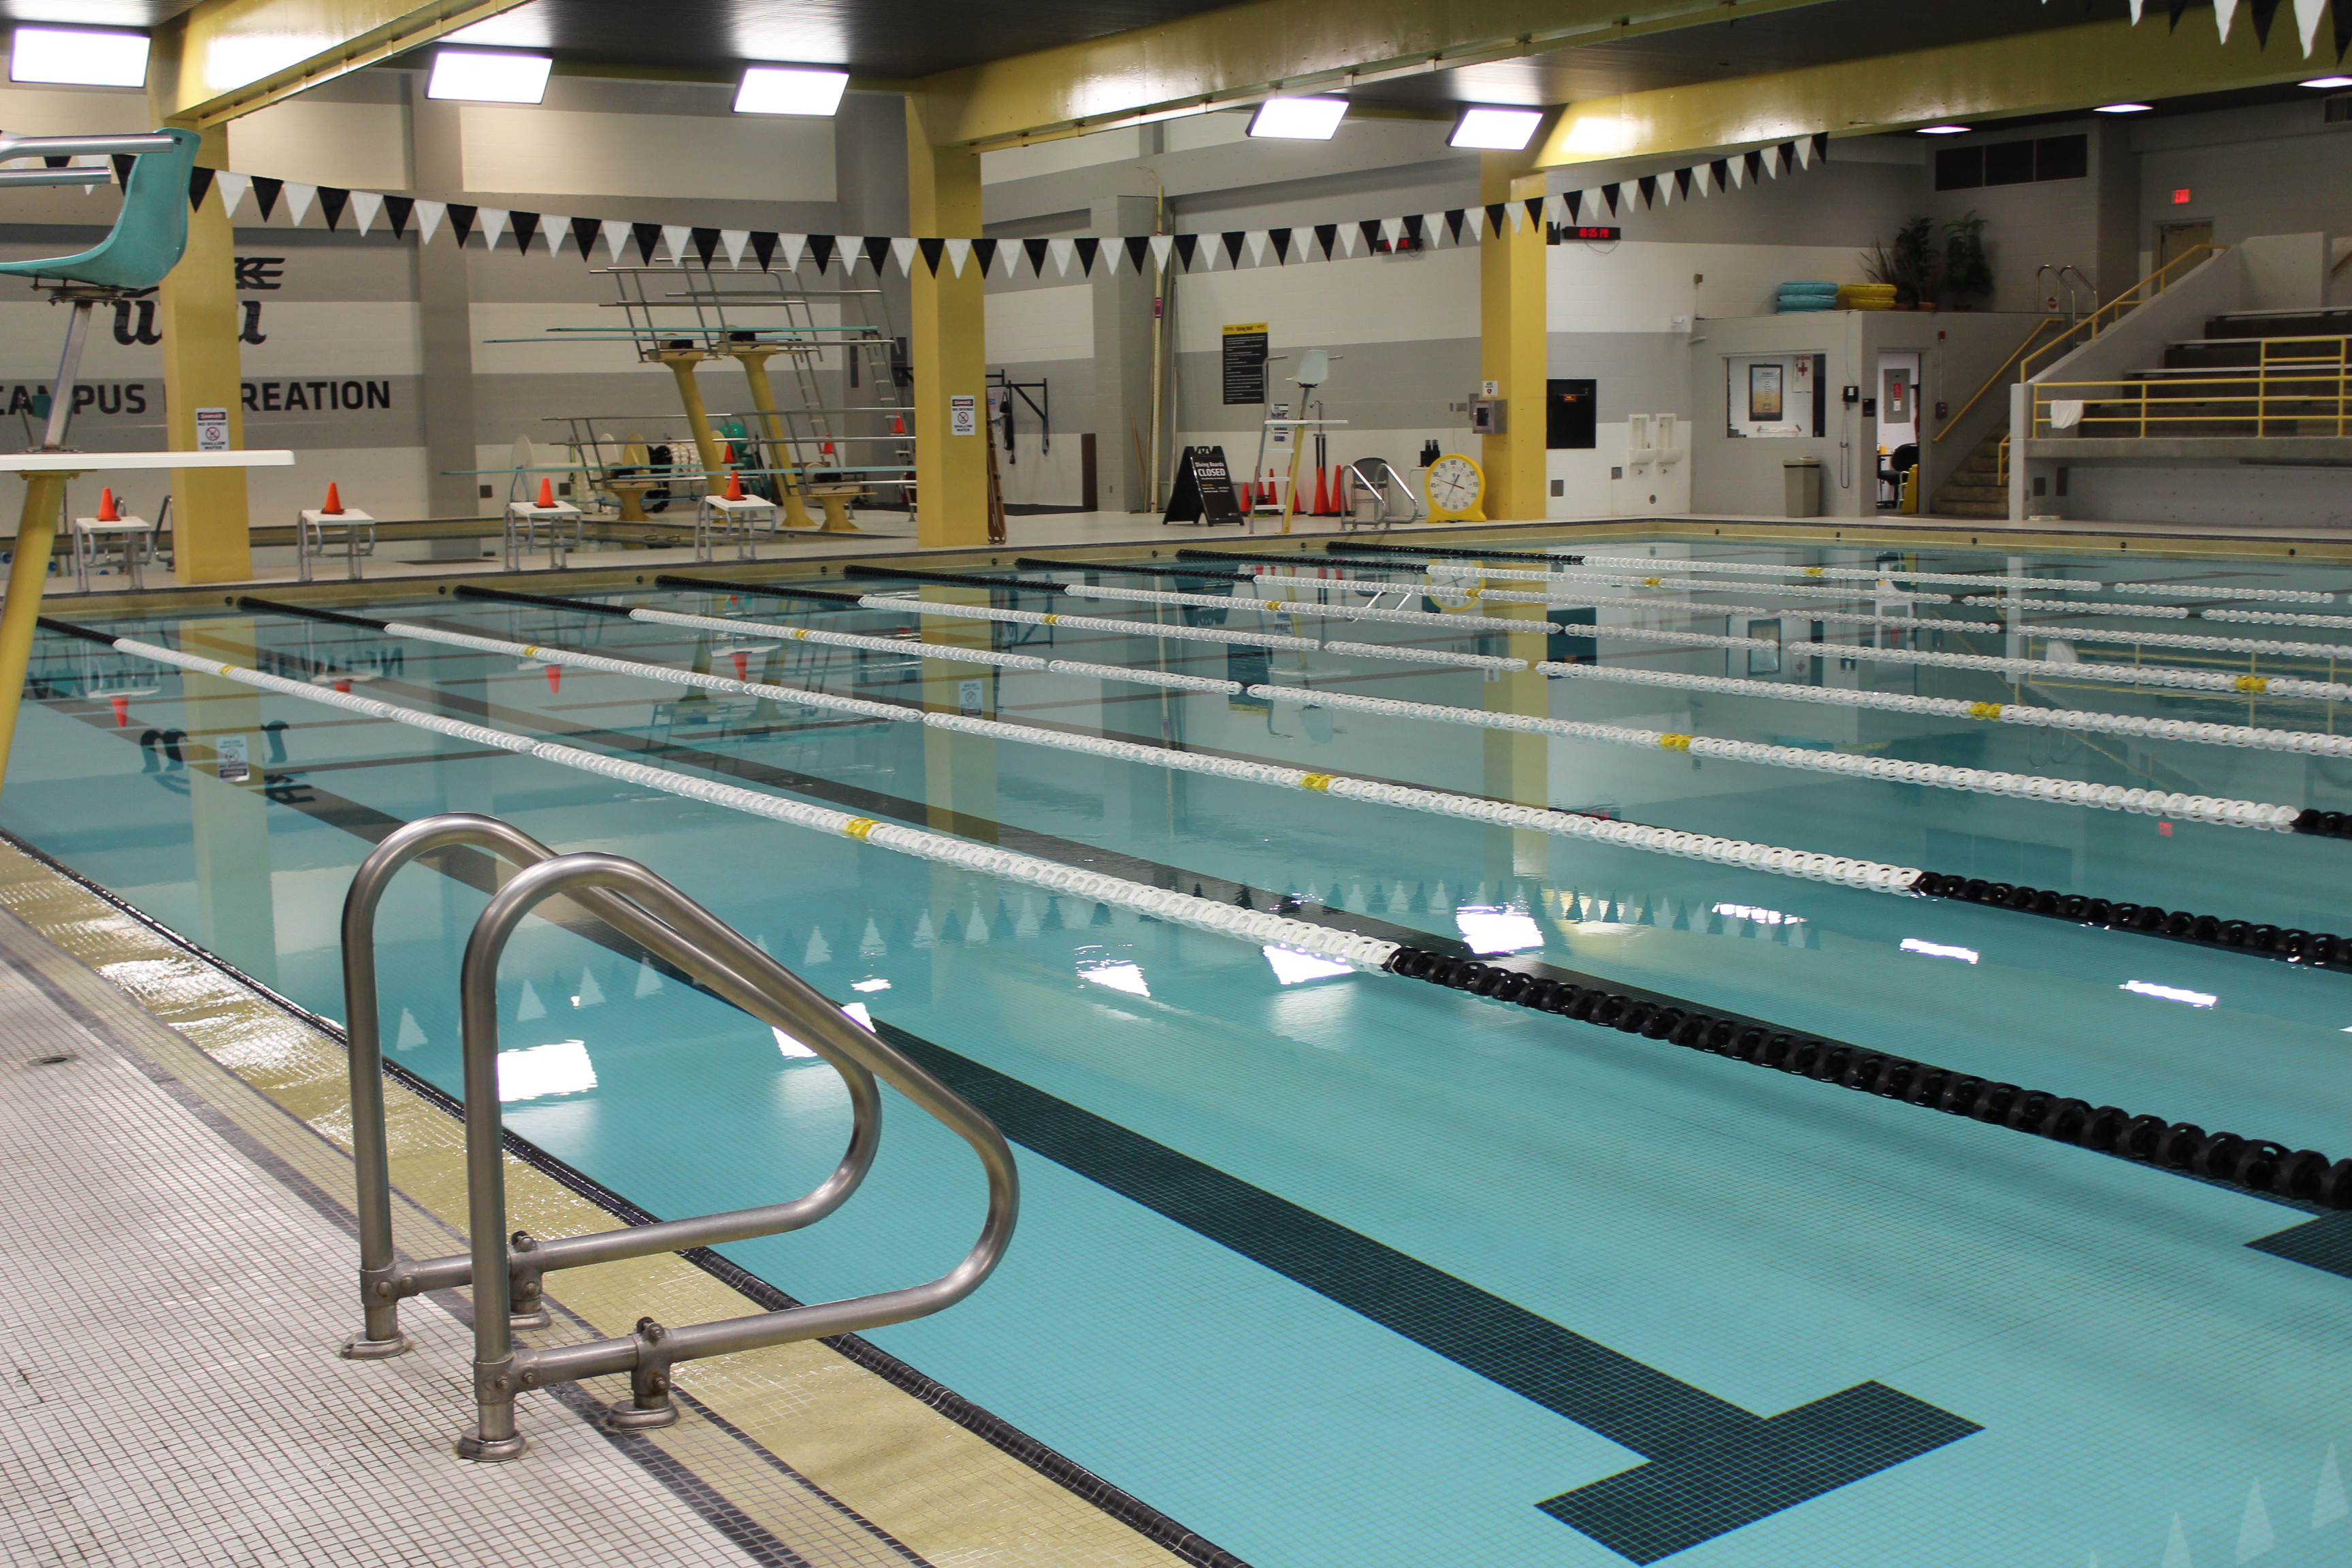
(1037, 249)
(1139, 246)
(1412, 226)
(1189, 245)
(2266, 12)
(820, 247)
(1326, 235)
(265, 193)
(763, 247)
(984, 252)
(1281, 237)
(1535, 210)
(332, 200)
(2343, 15)
(932, 250)
(122, 162)
(2177, 8)
(461, 223)
(1754, 167)
(399, 209)
(200, 181)
(1454, 216)
(584, 231)
(1682, 183)
(1648, 185)
(877, 251)
(1233, 239)
(1788, 150)
(1371, 229)
(1609, 195)
(1088, 246)
(1722, 170)
(706, 244)
(1495, 219)
(526, 226)
(647, 236)
(1575, 205)
(1820, 145)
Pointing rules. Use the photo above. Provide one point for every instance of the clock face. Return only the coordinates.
(1453, 484)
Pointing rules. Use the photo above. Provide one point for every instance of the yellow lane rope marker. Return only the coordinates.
(1676, 742)
(857, 827)
(1319, 781)
(2254, 683)
(1984, 710)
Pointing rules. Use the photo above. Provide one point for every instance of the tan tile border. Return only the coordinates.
(858, 1440)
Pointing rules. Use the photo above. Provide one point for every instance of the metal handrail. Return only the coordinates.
(505, 1270)
(2323, 378)
(2028, 350)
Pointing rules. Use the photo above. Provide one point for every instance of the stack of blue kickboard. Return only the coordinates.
(1795, 297)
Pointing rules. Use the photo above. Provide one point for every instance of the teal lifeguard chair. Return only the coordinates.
(146, 242)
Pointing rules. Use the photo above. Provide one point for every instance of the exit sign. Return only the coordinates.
(2181, 197)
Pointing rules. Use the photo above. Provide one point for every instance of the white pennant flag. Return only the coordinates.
(1161, 245)
(428, 220)
(1705, 173)
(1804, 152)
(2137, 7)
(1256, 243)
(958, 250)
(366, 207)
(232, 189)
(616, 235)
(299, 198)
(902, 251)
(675, 236)
(1008, 257)
(1064, 252)
(1666, 189)
(1433, 228)
(2224, 13)
(1518, 216)
(732, 241)
(492, 221)
(1739, 169)
(789, 247)
(2306, 17)
(1348, 233)
(553, 230)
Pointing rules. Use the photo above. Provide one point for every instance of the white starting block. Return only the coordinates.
(314, 531)
(131, 536)
(716, 517)
(527, 521)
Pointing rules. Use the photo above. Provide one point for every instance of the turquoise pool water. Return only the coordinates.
(1341, 1269)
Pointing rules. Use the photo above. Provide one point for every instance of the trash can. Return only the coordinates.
(1801, 488)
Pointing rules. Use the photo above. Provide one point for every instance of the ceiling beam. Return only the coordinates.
(2052, 71)
(1245, 53)
(221, 58)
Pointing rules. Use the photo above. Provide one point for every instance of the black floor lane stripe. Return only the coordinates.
(1710, 1467)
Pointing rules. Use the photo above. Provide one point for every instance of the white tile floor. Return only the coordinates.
(168, 1314)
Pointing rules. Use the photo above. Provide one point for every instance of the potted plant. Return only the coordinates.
(1967, 272)
(1909, 264)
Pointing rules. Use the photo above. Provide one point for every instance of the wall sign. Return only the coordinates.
(963, 415)
(1245, 363)
(212, 429)
(1204, 488)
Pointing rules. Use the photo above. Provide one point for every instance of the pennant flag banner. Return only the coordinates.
(678, 245)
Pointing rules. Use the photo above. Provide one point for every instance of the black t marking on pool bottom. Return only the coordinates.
(1710, 1467)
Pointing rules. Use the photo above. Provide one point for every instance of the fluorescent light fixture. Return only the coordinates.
(1124, 977)
(80, 57)
(2168, 993)
(790, 90)
(1491, 930)
(2124, 107)
(1495, 129)
(1300, 118)
(559, 1067)
(1292, 967)
(1943, 130)
(1938, 949)
(2329, 81)
(488, 76)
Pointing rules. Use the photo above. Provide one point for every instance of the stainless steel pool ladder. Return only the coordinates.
(507, 1270)
(1373, 479)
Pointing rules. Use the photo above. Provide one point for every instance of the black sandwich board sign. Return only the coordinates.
(1204, 488)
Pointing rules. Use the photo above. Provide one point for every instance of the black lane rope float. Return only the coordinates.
(2260, 1165)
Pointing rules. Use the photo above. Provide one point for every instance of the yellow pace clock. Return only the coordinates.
(1455, 486)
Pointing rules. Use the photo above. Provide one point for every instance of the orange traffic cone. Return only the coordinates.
(555, 678)
(1322, 496)
(334, 507)
(1339, 491)
(344, 684)
(898, 425)
(743, 664)
(547, 492)
(106, 511)
(726, 452)
(121, 710)
(827, 449)
(734, 485)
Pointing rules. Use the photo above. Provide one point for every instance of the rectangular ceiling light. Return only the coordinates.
(488, 76)
(75, 56)
(790, 90)
(1300, 118)
(1495, 129)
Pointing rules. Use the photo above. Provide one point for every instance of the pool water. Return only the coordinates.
(1337, 1269)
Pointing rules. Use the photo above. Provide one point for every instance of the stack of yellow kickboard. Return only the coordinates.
(1865, 297)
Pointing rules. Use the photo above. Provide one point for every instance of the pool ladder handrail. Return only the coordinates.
(644, 908)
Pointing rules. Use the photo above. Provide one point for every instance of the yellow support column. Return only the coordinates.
(196, 312)
(1514, 346)
(949, 342)
(1518, 765)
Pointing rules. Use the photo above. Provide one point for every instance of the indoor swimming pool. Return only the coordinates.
(1338, 1269)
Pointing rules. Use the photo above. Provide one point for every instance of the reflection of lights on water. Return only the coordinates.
(1938, 949)
(561, 1067)
(1292, 967)
(1489, 928)
(2169, 993)
(871, 985)
(1759, 917)
(1119, 976)
(855, 1012)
